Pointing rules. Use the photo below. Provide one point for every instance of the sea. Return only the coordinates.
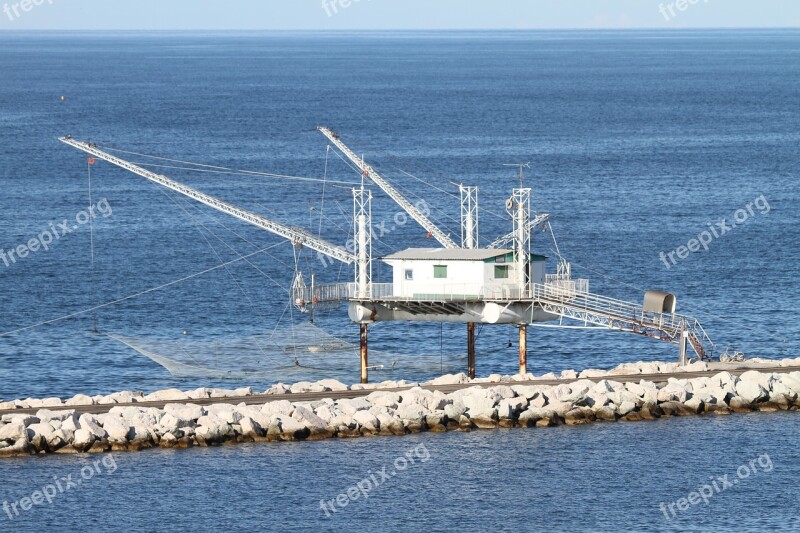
(667, 160)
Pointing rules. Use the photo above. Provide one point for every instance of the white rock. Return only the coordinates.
(455, 409)
(757, 377)
(46, 414)
(412, 411)
(350, 406)
(188, 412)
(384, 399)
(280, 407)
(450, 379)
(306, 386)
(332, 385)
(117, 429)
(225, 412)
(12, 432)
(475, 403)
(569, 374)
(83, 439)
(91, 424)
(367, 420)
(169, 395)
(625, 407)
(251, 428)
(750, 391)
(80, 399)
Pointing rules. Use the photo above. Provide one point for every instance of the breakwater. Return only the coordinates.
(186, 419)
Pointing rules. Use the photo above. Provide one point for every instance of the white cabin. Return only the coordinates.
(457, 273)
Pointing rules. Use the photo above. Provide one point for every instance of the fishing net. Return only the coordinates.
(304, 352)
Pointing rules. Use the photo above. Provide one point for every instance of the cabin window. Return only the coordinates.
(501, 272)
(409, 275)
(500, 259)
(440, 271)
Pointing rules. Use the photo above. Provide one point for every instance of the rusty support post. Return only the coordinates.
(471, 350)
(364, 355)
(523, 349)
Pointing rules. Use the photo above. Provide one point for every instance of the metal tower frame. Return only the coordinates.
(469, 216)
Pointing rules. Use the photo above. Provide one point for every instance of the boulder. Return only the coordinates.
(12, 432)
(625, 408)
(318, 428)
(91, 424)
(450, 379)
(351, 406)
(280, 388)
(188, 412)
(83, 440)
(332, 385)
(384, 399)
(292, 429)
(117, 430)
(251, 428)
(306, 386)
(169, 395)
(764, 380)
(226, 412)
(751, 391)
(367, 421)
(80, 399)
(390, 425)
(281, 407)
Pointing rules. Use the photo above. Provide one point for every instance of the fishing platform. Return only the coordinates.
(502, 283)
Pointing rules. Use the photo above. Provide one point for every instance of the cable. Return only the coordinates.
(136, 295)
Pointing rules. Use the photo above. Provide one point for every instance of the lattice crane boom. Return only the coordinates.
(297, 236)
(393, 193)
(503, 241)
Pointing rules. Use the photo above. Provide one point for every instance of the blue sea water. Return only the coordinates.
(637, 140)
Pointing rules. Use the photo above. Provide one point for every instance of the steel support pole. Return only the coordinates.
(523, 349)
(471, 349)
(682, 344)
(364, 355)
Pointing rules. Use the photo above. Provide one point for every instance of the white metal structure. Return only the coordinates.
(519, 207)
(469, 216)
(394, 194)
(362, 213)
(508, 238)
(298, 236)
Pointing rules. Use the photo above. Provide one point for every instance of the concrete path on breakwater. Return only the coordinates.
(349, 393)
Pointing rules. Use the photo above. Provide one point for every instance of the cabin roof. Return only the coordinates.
(449, 254)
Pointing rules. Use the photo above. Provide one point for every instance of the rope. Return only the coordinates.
(227, 170)
(324, 182)
(93, 299)
(136, 295)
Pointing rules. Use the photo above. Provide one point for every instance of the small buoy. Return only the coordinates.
(185, 332)
(63, 98)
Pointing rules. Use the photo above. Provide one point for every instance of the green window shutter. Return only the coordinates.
(440, 271)
(501, 272)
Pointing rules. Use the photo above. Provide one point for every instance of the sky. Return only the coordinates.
(394, 14)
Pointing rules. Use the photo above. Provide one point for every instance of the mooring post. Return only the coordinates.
(523, 349)
(471, 350)
(364, 354)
